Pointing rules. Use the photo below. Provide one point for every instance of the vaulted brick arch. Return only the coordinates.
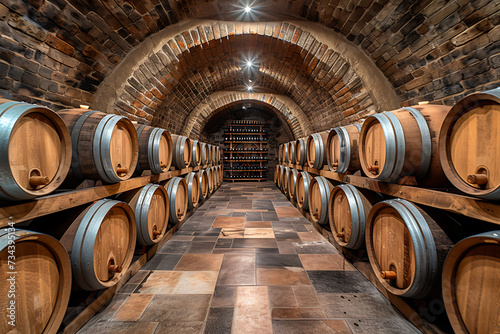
(168, 75)
(282, 106)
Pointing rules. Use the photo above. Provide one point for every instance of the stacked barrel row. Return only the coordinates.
(88, 248)
(408, 251)
(39, 149)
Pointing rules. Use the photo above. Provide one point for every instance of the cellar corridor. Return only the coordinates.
(247, 261)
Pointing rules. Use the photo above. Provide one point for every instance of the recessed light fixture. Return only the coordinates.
(82, 106)
(249, 63)
(249, 88)
(248, 9)
(250, 80)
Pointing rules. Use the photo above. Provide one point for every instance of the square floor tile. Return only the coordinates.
(311, 236)
(259, 233)
(387, 326)
(219, 321)
(237, 269)
(251, 311)
(160, 282)
(163, 308)
(224, 296)
(282, 296)
(278, 260)
(201, 247)
(279, 276)
(112, 327)
(314, 247)
(196, 282)
(325, 262)
(199, 262)
(287, 212)
(175, 247)
(259, 224)
(229, 222)
(255, 243)
(305, 326)
(340, 281)
(162, 261)
(174, 327)
(133, 307)
(306, 296)
(297, 313)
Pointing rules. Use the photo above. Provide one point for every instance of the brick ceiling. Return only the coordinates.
(59, 53)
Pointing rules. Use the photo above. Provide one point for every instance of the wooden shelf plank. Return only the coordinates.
(464, 205)
(61, 201)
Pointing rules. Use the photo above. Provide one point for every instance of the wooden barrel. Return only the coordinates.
(214, 155)
(348, 210)
(193, 186)
(35, 150)
(105, 146)
(403, 142)
(284, 181)
(284, 154)
(469, 145)
(300, 151)
(316, 149)
(210, 154)
(276, 170)
(302, 190)
(204, 154)
(220, 172)
(195, 153)
(203, 181)
(342, 149)
(280, 153)
(279, 175)
(151, 210)
(42, 282)
(292, 182)
(177, 191)
(470, 283)
(291, 152)
(215, 175)
(155, 149)
(182, 152)
(405, 247)
(319, 197)
(219, 155)
(210, 177)
(103, 246)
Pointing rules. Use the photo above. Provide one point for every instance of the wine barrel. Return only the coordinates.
(35, 150)
(469, 145)
(292, 182)
(182, 152)
(342, 149)
(195, 153)
(193, 186)
(319, 197)
(151, 211)
(155, 149)
(103, 245)
(403, 142)
(105, 146)
(291, 152)
(214, 155)
(284, 181)
(210, 177)
(276, 169)
(316, 149)
(348, 210)
(302, 190)
(402, 248)
(221, 174)
(210, 154)
(177, 191)
(279, 175)
(300, 152)
(470, 281)
(203, 181)
(219, 155)
(215, 174)
(42, 282)
(284, 154)
(280, 153)
(204, 154)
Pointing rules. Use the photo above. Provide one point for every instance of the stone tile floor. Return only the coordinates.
(247, 261)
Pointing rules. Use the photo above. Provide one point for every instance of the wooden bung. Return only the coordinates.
(479, 179)
(122, 170)
(388, 275)
(39, 181)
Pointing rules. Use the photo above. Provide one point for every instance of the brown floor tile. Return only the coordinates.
(132, 309)
(301, 327)
(339, 326)
(286, 248)
(139, 276)
(170, 327)
(231, 233)
(252, 312)
(113, 327)
(297, 313)
(161, 282)
(217, 212)
(324, 262)
(282, 296)
(287, 212)
(237, 269)
(259, 233)
(163, 308)
(181, 238)
(199, 262)
(229, 222)
(197, 282)
(255, 243)
(306, 296)
(258, 225)
(224, 296)
(288, 276)
(311, 236)
(234, 251)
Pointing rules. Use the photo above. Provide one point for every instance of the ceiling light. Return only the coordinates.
(250, 80)
(249, 88)
(82, 106)
(249, 63)
(248, 9)
(423, 102)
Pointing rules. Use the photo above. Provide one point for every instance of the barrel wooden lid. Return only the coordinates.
(158, 214)
(195, 191)
(165, 151)
(315, 200)
(334, 149)
(391, 246)
(112, 242)
(35, 150)
(181, 200)
(341, 214)
(373, 147)
(474, 146)
(187, 151)
(471, 280)
(123, 148)
(311, 151)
